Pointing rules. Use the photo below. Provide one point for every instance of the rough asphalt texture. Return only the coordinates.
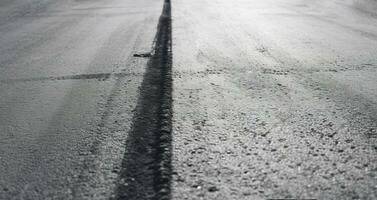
(274, 99)
(270, 99)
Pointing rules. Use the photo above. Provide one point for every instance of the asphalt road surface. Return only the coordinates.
(274, 99)
(69, 87)
(203, 99)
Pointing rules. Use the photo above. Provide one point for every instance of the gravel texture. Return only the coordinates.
(274, 99)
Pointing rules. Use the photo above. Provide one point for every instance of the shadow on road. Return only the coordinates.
(146, 167)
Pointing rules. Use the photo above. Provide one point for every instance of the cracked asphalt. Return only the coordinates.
(199, 99)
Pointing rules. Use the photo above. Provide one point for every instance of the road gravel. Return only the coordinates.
(274, 99)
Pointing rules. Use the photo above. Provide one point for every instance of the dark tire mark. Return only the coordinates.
(99, 76)
(143, 55)
(146, 166)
